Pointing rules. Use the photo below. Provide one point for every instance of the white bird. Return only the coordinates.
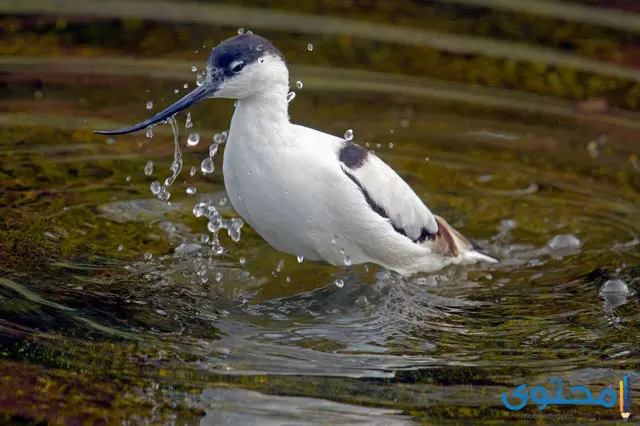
(308, 193)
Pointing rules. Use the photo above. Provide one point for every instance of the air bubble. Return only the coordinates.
(334, 239)
(148, 256)
(193, 171)
(191, 190)
(150, 132)
(128, 178)
(149, 104)
(176, 91)
(300, 259)
(347, 260)
(242, 260)
(240, 30)
(299, 84)
(188, 124)
(193, 139)
(348, 135)
(148, 168)
(194, 68)
(186, 86)
(120, 247)
(339, 283)
(207, 166)
(291, 96)
(390, 144)
(309, 47)
(259, 47)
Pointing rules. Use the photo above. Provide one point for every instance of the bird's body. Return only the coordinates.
(311, 194)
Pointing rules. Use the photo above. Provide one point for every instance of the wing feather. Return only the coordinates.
(388, 194)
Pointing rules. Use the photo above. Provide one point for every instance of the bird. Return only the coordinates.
(308, 193)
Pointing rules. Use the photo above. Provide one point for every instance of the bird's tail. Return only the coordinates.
(450, 242)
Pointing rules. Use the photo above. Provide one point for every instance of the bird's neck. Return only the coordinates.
(263, 111)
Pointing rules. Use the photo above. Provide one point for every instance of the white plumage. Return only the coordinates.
(308, 193)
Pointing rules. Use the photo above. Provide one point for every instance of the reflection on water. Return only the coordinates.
(114, 293)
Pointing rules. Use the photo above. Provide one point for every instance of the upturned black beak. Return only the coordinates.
(202, 92)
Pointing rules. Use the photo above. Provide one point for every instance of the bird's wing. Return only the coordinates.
(387, 194)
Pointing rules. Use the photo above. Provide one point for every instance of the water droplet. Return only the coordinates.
(149, 104)
(148, 256)
(234, 229)
(300, 259)
(213, 149)
(207, 166)
(164, 194)
(200, 78)
(220, 137)
(194, 68)
(120, 247)
(347, 260)
(191, 190)
(564, 241)
(186, 86)
(193, 171)
(259, 47)
(309, 47)
(155, 187)
(193, 139)
(242, 260)
(299, 84)
(198, 210)
(148, 168)
(348, 135)
(128, 178)
(291, 96)
(339, 283)
(240, 30)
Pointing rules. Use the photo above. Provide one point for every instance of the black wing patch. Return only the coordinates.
(424, 233)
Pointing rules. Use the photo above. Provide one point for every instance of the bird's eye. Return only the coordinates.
(238, 67)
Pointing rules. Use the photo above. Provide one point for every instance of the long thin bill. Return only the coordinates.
(191, 98)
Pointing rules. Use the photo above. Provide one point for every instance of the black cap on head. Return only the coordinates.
(242, 49)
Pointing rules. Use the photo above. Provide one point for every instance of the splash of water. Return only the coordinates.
(162, 191)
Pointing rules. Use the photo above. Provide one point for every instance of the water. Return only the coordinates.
(132, 296)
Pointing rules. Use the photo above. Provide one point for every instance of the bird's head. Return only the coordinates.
(239, 67)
